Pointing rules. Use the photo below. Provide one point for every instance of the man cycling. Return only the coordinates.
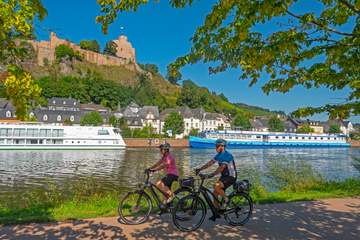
(226, 168)
(168, 163)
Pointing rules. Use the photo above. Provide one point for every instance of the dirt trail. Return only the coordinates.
(325, 219)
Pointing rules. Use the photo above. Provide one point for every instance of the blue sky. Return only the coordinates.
(160, 34)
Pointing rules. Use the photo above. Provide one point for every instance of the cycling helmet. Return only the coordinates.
(165, 146)
(220, 142)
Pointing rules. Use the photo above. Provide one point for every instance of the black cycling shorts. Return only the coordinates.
(227, 181)
(169, 179)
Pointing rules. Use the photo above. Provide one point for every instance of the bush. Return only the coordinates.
(305, 129)
(91, 45)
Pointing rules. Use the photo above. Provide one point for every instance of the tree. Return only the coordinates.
(110, 48)
(194, 132)
(335, 128)
(16, 24)
(241, 121)
(275, 124)
(153, 68)
(305, 129)
(67, 122)
(174, 122)
(113, 121)
(91, 119)
(307, 48)
(91, 45)
(173, 76)
(64, 51)
(20, 88)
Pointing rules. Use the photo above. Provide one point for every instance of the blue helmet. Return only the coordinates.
(221, 142)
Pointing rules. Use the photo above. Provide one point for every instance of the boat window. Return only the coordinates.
(6, 132)
(315, 138)
(58, 133)
(335, 138)
(42, 133)
(2, 141)
(290, 137)
(328, 138)
(283, 137)
(303, 137)
(277, 137)
(9, 141)
(296, 137)
(103, 132)
(258, 136)
(321, 138)
(41, 141)
(32, 132)
(19, 132)
(31, 141)
(57, 141)
(48, 141)
(19, 141)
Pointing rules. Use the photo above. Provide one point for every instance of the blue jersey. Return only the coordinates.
(226, 158)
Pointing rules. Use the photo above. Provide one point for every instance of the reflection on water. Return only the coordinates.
(21, 170)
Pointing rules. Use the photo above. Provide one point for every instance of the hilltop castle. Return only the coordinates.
(125, 55)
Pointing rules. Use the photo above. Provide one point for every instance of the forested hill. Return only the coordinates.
(115, 86)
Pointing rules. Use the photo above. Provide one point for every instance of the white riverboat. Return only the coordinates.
(40, 136)
(241, 139)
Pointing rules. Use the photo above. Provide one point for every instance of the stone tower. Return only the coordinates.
(125, 49)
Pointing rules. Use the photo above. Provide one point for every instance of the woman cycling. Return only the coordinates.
(167, 162)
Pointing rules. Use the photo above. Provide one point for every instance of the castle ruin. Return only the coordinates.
(125, 55)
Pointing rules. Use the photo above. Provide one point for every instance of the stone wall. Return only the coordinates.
(155, 142)
(125, 53)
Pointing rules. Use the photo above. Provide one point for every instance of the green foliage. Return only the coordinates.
(91, 45)
(275, 124)
(153, 68)
(91, 119)
(174, 122)
(68, 122)
(91, 88)
(194, 96)
(146, 94)
(335, 128)
(309, 49)
(113, 121)
(63, 51)
(305, 129)
(241, 121)
(21, 89)
(173, 77)
(110, 48)
(16, 22)
(194, 132)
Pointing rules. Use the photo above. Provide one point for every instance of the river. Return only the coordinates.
(26, 170)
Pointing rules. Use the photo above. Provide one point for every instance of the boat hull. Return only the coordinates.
(60, 147)
(197, 142)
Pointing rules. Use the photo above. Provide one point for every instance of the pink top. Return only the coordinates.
(171, 168)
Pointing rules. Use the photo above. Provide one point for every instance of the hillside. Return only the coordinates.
(114, 86)
(258, 111)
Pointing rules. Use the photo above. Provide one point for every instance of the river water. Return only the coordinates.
(26, 170)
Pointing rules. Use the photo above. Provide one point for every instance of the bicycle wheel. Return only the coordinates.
(179, 194)
(135, 207)
(239, 209)
(189, 213)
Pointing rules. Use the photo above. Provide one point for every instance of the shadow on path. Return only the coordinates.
(328, 219)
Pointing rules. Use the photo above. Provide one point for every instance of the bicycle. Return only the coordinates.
(136, 206)
(187, 208)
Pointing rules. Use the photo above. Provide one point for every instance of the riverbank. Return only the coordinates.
(355, 143)
(324, 219)
(48, 206)
(155, 142)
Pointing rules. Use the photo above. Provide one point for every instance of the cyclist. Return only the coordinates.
(227, 169)
(167, 162)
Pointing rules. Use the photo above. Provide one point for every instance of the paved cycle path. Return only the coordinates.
(325, 219)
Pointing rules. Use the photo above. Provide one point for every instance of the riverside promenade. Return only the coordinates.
(324, 219)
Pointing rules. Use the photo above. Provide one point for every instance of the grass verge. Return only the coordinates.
(45, 206)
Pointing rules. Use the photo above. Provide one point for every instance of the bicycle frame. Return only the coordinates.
(149, 185)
